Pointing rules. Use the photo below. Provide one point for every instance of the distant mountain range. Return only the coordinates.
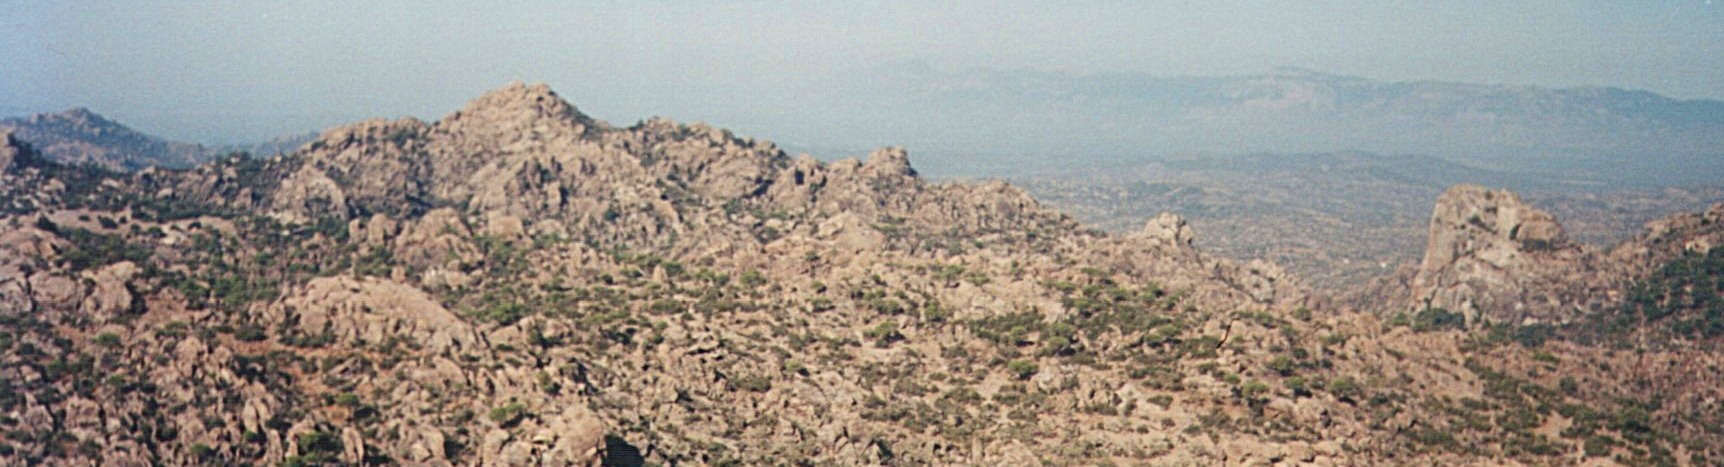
(1284, 111)
(1014, 123)
(80, 136)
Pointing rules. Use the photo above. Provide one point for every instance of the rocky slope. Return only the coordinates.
(518, 283)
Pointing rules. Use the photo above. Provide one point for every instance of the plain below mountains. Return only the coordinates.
(1336, 219)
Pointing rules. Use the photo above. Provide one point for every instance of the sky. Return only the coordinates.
(233, 71)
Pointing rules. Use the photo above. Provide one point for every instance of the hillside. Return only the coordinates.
(519, 283)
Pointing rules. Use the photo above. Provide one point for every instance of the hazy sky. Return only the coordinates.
(221, 71)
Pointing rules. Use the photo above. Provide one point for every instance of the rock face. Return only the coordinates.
(519, 284)
(1491, 256)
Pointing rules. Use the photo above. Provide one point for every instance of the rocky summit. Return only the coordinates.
(518, 283)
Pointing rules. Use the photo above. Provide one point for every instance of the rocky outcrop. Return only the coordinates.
(9, 150)
(1492, 257)
(1169, 229)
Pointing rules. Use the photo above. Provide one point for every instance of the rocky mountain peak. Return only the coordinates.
(1478, 212)
(82, 114)
(520, 107)
(80, 119)
(890, 161)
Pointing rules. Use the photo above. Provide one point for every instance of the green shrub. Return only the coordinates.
(820, 304)
(886, 306)
(1254, 389)
(1298, 386)
(347, 399)
(319, 443)
(509, 414)
(107, 339)
(174, 329)
(753, 279)
(1598, 445)
(1434, 437)
(1345, 388)
(505, 313)
(250, 333)
(1437, 319)
(1533, 335)
(978, 278)
(884, 334)
(47, 225)
(90, 249)
(932, 312)
(1283, 365)
(1022, 368)
(1537, 244)
(949, 273)
(1331, 340)
(751, 383)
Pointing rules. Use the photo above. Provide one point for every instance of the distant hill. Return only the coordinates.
(79, 136)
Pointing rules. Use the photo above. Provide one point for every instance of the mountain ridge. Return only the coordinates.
(511, 285)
